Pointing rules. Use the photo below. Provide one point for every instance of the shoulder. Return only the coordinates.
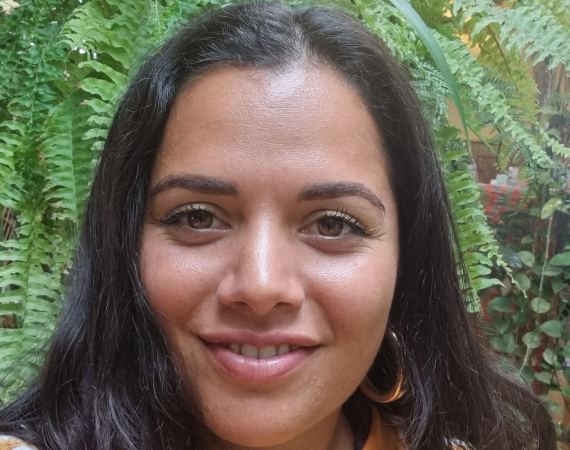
(12, 443)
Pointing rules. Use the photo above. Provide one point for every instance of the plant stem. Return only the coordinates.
(545, 254)
(525, 360)
(536, 319)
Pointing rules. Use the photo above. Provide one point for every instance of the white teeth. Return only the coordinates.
(251, 351)
(283, 348)
(267, 352)
(235, 347)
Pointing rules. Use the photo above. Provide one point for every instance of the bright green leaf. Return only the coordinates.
(532, 339)
(540, 305)
(549, 207)
(437, 54)
(549, 356)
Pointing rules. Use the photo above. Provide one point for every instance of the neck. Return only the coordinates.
(333, 433)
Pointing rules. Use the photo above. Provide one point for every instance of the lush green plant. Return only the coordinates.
(528, 320)
(64, 64)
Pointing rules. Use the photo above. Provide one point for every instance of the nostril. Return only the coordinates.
(261, 298)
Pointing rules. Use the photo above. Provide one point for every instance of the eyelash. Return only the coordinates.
(173, 217)
(353, 222)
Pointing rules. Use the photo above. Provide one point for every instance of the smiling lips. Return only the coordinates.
(266, 352)
(259, 364)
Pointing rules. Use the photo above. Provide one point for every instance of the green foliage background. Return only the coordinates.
(64, 64)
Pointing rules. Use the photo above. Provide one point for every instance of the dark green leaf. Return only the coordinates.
(522, 281)
(566, 391)
(552, 328)
(504, 343)
(561, 259)
(543, 377)
(501, 325)
(551, 271)
(557, 285)
(527, 258)
(502, 304)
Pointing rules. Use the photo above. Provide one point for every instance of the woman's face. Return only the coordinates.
(270, 250)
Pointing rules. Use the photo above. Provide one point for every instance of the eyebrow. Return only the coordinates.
(340, 189)
(216, 186)
(196, 183)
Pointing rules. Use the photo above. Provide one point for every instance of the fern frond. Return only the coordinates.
(529, 28)
(485, 97)
(33, 295)
(69, 159)
(476, 240)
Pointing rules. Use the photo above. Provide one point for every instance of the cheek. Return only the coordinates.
(356, 296)
(354, 289)
(176, 281)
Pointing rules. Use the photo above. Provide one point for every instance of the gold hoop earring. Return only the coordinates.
(397, 390)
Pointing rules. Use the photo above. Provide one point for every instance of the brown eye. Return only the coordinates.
(200, 219)
(331, 226)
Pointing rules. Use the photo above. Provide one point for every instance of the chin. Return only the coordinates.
(253, 435)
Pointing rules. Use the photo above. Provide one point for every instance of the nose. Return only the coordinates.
(264, 271)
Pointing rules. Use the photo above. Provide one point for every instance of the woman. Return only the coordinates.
(266, 262)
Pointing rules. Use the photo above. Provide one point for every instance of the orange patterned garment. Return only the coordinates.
(11, 443)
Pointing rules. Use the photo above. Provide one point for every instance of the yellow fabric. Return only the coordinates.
(11, 443)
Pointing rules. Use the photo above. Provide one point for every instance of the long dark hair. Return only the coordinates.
(109, 381)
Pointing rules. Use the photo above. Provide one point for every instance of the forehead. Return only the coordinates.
(304, 116)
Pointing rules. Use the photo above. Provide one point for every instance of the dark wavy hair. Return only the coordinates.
(109, 381)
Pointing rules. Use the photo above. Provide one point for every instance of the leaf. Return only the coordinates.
(504, 343)
(552, 328)
(565, 391)
(522, 281)
(549, 207)
(566, 351)
(551, 271)
(543, 377)
(557, 285)
(437, 54)
(527, 258)
(549, 356)
(520, 318)
(532, 339)
(484, 283)
(501, 325)
(501, 304)
(561, 259)
(540, 305)
(553, 407)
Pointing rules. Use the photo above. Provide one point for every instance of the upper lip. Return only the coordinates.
(259, 340)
